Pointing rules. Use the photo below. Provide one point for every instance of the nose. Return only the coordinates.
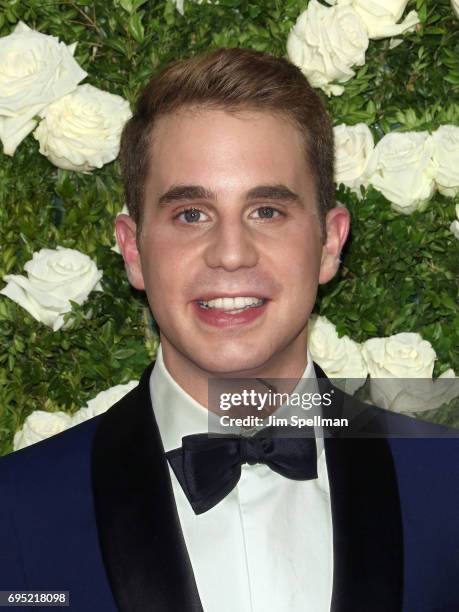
(231, 247)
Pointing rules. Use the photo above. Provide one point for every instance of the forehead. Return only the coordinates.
(205, 145)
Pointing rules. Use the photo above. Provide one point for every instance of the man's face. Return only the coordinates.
(230, 251)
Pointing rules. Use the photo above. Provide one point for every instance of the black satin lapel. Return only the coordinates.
(366, 514)
(367, 528)
(139, 530)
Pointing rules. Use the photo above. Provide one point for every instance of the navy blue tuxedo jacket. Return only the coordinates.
(91, 511)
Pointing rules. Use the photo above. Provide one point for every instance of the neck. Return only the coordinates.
(286, 368)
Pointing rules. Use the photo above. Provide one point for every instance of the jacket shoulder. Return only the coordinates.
(47, 509)
(63, 450)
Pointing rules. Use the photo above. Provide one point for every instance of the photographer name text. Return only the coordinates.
(274, 421)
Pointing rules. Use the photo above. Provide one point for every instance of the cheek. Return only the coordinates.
(162, 282)
(300, 266)
(167, 278)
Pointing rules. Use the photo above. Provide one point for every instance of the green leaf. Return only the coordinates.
(136, 28)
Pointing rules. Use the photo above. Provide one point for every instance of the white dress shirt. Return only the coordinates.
(268, 545)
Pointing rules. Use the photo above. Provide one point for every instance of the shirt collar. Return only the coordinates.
(178, 414)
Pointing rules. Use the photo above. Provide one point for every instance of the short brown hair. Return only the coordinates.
(230, 79)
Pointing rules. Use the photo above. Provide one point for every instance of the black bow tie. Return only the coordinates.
(209, 468)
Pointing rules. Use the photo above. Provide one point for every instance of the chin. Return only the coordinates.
(235, 360)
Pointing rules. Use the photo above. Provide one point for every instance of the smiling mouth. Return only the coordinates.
(232, 305)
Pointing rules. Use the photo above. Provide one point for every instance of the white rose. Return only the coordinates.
(401, 168)
(54, 278)
(338, 357)
(454, 227)
(446, 159)
(404, 355)
(455, 6)
(40, 425)
(35, 70)
(414, 394)
(325, 43)
(381, 16)
(81, 131)
(401, 369)
(353, 147)
(103, 401)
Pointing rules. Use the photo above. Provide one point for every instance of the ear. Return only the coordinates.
(337, 223)
(126, 230)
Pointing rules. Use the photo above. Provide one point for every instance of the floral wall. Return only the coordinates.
(75, 336)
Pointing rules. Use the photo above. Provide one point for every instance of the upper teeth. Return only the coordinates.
(229, 303)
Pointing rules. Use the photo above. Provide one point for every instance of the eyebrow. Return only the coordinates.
(197, 192)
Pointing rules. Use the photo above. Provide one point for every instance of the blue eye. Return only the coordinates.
(267, 212)
(194, 215)
(190, 215)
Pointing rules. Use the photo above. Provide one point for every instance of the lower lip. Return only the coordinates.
(220, 318)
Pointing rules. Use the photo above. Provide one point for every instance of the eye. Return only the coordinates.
(190, 215)
(267, 212)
